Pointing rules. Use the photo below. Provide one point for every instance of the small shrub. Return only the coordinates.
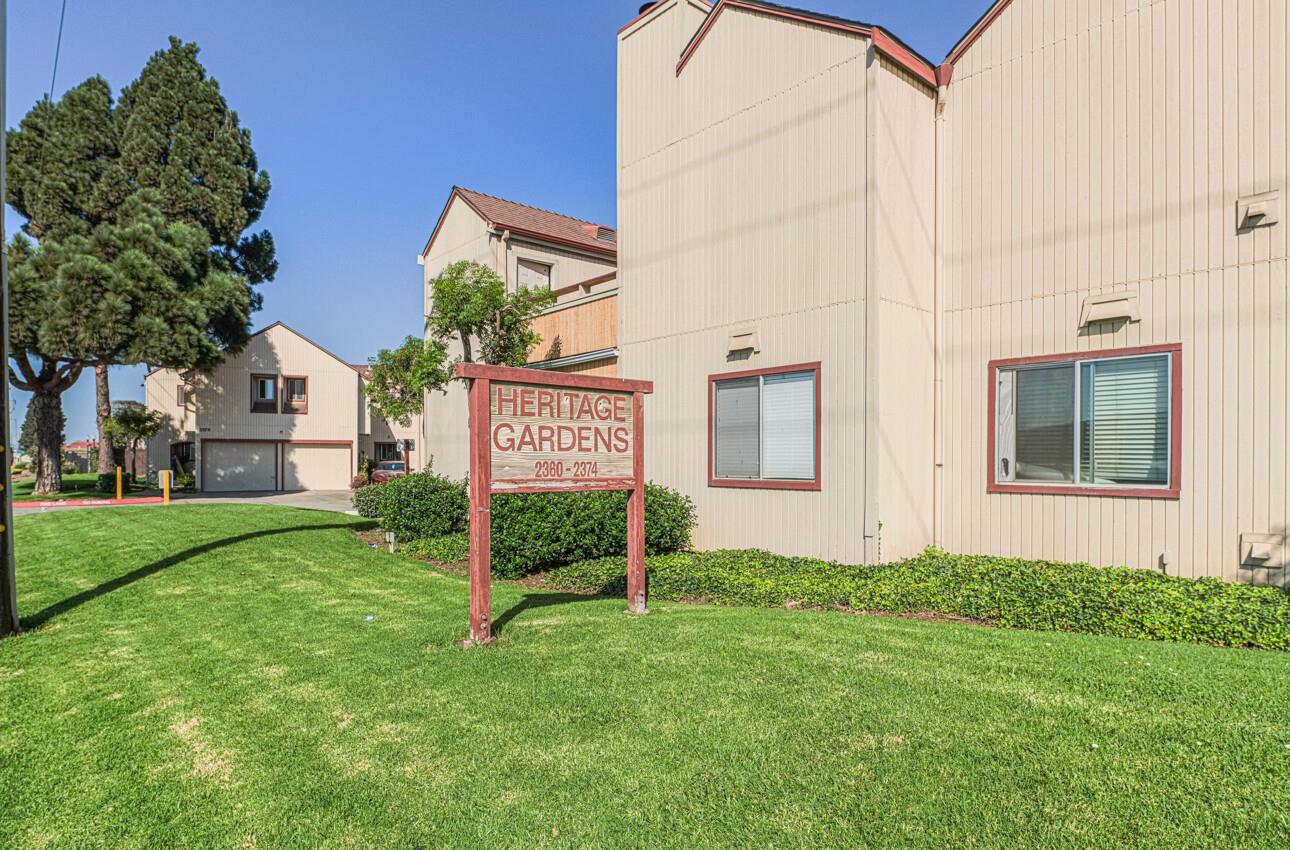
(69, 468)
(186, 481)
(358, 482)
(1007, 592)
(447, 548)
(369, 501)
(106, 482)
(416, 506)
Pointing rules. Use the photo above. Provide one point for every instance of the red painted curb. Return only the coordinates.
(91, 503)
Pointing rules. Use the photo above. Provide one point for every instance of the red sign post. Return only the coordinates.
(546, 432)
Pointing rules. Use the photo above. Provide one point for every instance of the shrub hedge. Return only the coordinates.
(533, 531)
(1007, 592)
(530, 531)
(416, 506)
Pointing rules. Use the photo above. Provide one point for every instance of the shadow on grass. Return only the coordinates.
(533, 601)
(63, 606)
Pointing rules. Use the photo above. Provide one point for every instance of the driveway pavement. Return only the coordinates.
(318, 500)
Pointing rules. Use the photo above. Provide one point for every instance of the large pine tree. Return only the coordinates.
(116, 181)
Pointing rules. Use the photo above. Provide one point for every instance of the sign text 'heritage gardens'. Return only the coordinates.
(559, 434)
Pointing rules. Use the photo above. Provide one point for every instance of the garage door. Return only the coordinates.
(238, 466)
(315, 467)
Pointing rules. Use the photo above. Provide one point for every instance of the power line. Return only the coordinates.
(58, 48)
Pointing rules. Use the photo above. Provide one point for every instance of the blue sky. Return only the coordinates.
(365, 114)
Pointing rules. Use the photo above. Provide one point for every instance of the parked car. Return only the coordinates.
(388, 470)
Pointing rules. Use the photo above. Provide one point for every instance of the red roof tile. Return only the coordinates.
(538, 223)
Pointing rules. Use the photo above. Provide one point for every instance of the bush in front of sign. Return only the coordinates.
(540, 530)
(370, 501)
(424, 505)
(416, 506)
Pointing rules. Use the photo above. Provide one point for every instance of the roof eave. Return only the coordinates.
(883, 42)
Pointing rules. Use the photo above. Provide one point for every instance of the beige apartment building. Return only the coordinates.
(1028, 301)
(531, 247)
(283, 415)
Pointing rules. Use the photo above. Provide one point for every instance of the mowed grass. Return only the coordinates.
(76, 486)
(204, 676)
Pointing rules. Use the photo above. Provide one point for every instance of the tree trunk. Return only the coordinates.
(49, 439)
(103, 408)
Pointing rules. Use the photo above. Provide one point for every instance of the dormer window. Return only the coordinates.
(534, 275)
(264, 393)
(295, 395)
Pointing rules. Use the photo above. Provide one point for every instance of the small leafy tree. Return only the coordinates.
(130, 424)
(470, 306)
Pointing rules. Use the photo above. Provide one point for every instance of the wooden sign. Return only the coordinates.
(533, 431)
(565, 437)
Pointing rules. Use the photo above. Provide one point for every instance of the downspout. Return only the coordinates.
(872, 527)
(938, 323)
(504, 260)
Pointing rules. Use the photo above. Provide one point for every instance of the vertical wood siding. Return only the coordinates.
(568, 267)
(904, 202)
(220, 405)
(1100, 146)
(743, 187)
(592, 326)
(445, 438)
(161, 393)
(223, 398)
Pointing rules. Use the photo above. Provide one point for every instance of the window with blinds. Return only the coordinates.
(764, 427)
(1092, 422)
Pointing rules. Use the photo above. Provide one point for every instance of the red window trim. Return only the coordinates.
(761, 483)
(301, 409)
(1173, 491)
(277, 394)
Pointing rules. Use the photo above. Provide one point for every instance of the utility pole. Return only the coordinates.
(8, 584)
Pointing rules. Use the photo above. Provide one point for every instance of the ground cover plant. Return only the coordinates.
(255, 676)
(1008, 592)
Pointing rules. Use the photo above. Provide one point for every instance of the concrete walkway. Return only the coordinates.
(318, 500)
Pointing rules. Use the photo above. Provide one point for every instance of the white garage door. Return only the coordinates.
(238, 466)
(315, 467)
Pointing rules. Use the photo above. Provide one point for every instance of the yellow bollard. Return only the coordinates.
(165, 488)
(118, 483)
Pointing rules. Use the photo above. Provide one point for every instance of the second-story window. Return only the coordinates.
(264, 393)
(534, 275)
(181, 395)
(295, 395)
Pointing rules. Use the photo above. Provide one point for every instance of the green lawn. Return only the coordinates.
(204, 676)
(75, 486)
